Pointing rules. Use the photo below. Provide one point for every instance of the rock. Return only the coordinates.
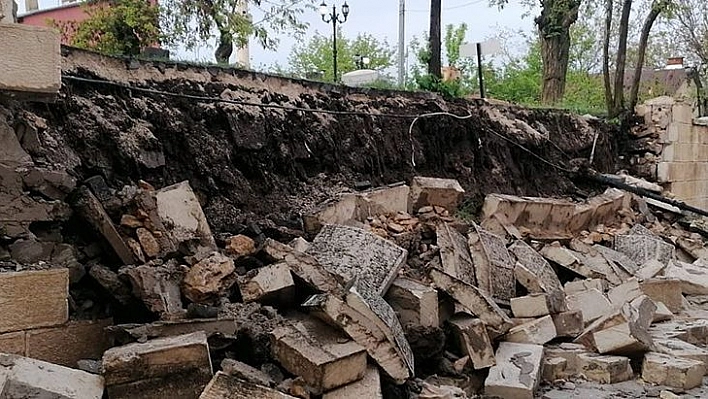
(224, 386)
(535, 305)
(267, 284)
(109, 280)
(368, 387)
(67, 344)
(425, 191)
(554, 369)
(642, 245)
(517, 372)
(693, 278)
(493, 264)
(455, 254)
(323, 357)
(568, 259)
(130, 221)
(538, 331)
(176, 366)
(239, 246)
(665, 290)
(305, 266)
(569, 363)
(353, 253)
(22, 377)
(128, 333)
(674, 372)
(179, 208)
(649, 269)
(209, 279)
(568, 324)
(624, 293)
(471, 337)
(605, 369)
(299, 244)
(573, 287)
(20, 306)
(430, 391)
(245, 372)
(622, 331)
(592, 303)
(31, 251)
(157, 286)
(148, 242)
(533, 271)
(681, 349)
(416, 304)
(662, 313)
(65, 255)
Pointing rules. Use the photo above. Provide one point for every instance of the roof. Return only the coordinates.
(50, 9)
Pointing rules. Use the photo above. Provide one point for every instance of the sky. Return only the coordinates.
(379, 18)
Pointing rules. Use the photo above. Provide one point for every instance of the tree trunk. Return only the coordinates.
(554, 24)
(620, 65)
(609, 7)
(656, 8)
(225, 48)
(435, 63)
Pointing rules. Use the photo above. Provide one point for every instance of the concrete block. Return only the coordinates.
(367, 387)
(13, 343)
(473, 340)
(536, 305)
(31, 61)
(368, 320)
(568, 324)
(354, 253)
(67, 344)
(573, 287)
(494, 267)
(224, 386)
(211, 278)
(139, 370)
(272, 283)
(665, 290)
(605, 369)
(674, 372)
(182, 215)
(693, 278)
(305, 266)
(323, 357)
(592, 303)
(472, 298)
(517, 372)
(122, 334)
(624, 293)
(23, 308)
(426, 191)
(538, 331)
(455, 254)
(533, 271)
(416, 304)
(22, 377)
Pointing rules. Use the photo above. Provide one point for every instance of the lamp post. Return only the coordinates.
(361, 61)
(333, 17)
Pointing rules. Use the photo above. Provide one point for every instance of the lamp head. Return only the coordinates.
(366, 60)
(323, 9)
(345, 9)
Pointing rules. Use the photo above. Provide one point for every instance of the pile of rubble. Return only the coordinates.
(393, 296)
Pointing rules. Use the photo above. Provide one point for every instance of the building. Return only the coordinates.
(66, 12)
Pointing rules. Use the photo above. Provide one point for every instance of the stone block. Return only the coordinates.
(681, 349)
(573, 287)
(67, 344)
(473, 299)
(368, 320)
(671, 371)
(245, 372)
(324, 358)
(473, 340)
(426, 191)
(625, 292)
(538, 331)
(272, 283)
(517, 372)
(592, 303)
(570, 353)
(568, 259)
(569, 324)
(368, 387)
(533, 271)
(682, 113)
(416, 304)
(455, 254)
(338, 211)
(493, 265)
(536, 305)
(382, 200)
(554, 368)
(172, 367)
(211, 278)
(13, 343)
(642, 247)
(304, 266)
(31, 61)
(182, 215)
(693, 278)
(618, 259)
(22, 307)
(350, 253)
(662, 313)
(157, 286)
(224, 386)
(122, 334)
(622, 332)
(649, 270)
(665, 290)
(605, 369)
(22, 377)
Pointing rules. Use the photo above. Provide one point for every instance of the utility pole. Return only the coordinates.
(434, 64)
(401, 43)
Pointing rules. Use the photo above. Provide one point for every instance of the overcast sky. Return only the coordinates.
(380, 18)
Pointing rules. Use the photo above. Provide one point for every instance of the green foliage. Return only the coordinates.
(454, 38)
(120, 27)
(316, 54)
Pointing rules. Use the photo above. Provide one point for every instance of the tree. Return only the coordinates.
(316, 54)
(194, 22)
(118, 27)
(690, 26)
(434, 61)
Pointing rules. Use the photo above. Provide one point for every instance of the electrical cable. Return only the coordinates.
(410, 128)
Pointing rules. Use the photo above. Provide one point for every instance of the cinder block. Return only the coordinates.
(473, 340)
(416, 304)
(605, 369)
(517, 372)
(30, 61)
(23, 308)
(671, 371)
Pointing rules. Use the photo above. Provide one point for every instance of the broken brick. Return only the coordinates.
(416, 304)
(538, 331)
(269, 283)
(517, 372)
(473, 340)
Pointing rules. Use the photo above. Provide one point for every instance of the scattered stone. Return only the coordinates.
(130, 221)
(179, 208)
(433, 191)
(662, 313)
(670, 371)
(127, 333)
(570, 352)
(224, 386)
(621, 331)
(157, 286)
(554, 369)
(269, 283)
(324, 359)
(642, 245)
(109, 280)
(305, 266)
(245, 372)
(533, 271)
(517, 372)
(148, 242)
(538, 331)
(568, 324)
(67, 344)
(472, 339)
(494, 267)
(176, 366)
(624, 293)
(605, 369)
(353, 253)
(455, 254)
(568, 259)
(681, 349)
(210, 279)
(368, 387)
(299, 244)
(22, 308)
(592, 303)
(665, 290)
(649, 269)
(22, 377)
(414, 303)
(536, 305)
(239, 246)
(576, 286)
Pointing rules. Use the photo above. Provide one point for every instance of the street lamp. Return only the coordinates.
(361, 61)
(333, 17)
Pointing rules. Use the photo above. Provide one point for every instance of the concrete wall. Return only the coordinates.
(683, 165)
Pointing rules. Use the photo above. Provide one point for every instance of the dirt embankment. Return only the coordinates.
(269, 165)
